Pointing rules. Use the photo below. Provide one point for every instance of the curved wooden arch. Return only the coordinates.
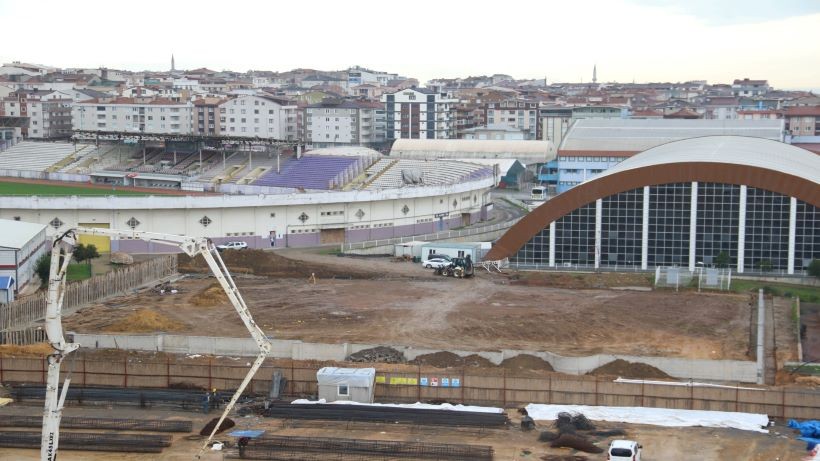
(727, 173)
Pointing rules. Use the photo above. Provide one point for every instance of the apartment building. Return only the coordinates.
(343, 123)
(418, 113)
(803, 121)
(139, 114)
(258, 116)
(48, 112)
(206, 117)
(516, 115)
(747, 87)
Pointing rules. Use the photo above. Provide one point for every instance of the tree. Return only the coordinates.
(814, 268)
(722, 260)
(85, 253)
(43, 267)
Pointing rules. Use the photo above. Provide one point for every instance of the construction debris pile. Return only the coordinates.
(380, 354)
(567, 436)
(326, 449)
(386, 414)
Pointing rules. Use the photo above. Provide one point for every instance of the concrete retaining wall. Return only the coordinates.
(711, 370)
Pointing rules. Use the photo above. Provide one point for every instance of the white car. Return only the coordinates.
(232, 246)
(436, 262)
(624, 450)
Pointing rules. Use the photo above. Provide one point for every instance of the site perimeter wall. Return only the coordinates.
(402, 383)
(713, 370)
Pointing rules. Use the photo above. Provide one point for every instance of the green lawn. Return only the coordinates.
(806, 294)
(14, 188)
(79, 271)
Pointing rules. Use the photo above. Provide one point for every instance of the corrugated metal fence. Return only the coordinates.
(403, 383)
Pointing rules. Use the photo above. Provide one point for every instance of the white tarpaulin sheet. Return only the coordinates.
(422, 406)
(655, 416)
(354, 377)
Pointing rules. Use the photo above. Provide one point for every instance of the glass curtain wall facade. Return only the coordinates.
(669, 217)
(717, 217)
(807, 235)
(766, 224)
(621, 228)
(767, 230)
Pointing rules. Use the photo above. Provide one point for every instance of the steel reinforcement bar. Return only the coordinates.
(387, 449)
(386, 414)
(91, 441)
(74, 422)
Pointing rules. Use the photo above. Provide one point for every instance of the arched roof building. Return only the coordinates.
(751, 201)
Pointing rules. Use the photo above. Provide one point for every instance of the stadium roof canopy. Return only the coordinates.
(637, 135)
(749, 161)
(525, 151)
(345, 151)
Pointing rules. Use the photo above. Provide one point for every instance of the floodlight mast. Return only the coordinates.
(61, 252)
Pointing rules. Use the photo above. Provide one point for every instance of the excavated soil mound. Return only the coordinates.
(380, 354)
(524, 362)
(626, 369)
(446, 359)
(213, 295)
(442, 359)
(145, 321)
(475, 360)
(266, 263)
(31, 350)
(577, 442)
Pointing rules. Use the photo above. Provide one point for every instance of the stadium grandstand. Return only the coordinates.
(267, 194)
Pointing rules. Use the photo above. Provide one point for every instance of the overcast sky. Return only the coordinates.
(641, 40)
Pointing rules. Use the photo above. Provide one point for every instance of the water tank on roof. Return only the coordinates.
(412, 176)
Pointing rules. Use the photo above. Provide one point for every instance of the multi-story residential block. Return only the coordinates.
(258, 116)
(48, 112)
(803, 121)
(516, 115)
(418, 113)
(340, 123)
(206, 117)
(748, 87)
(358, 76)
(140, 114)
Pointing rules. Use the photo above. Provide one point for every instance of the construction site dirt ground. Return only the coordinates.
(660, 443)
(378, 301)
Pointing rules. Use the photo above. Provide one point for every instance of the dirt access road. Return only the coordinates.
(413, 307)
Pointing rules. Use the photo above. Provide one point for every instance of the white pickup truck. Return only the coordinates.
(624, 450)
(232, 246)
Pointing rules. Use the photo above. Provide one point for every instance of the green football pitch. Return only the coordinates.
(16, 188)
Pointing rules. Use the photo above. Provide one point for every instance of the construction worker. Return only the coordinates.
(206, 402)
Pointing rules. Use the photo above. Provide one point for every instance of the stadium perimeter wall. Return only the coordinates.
(264, 221)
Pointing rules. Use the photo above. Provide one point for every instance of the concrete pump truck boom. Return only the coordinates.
(61, 252)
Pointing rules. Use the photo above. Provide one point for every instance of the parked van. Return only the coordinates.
(624, 450)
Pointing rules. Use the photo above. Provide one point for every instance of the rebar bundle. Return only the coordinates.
(177, 398)
(91, 441)
(304, 447)
(73, 422)
(386, 415)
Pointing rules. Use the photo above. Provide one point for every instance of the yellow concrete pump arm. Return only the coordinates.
(61, 252)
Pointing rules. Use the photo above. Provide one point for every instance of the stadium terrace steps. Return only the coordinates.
(436, 172)
(36, 156)
(321, 172)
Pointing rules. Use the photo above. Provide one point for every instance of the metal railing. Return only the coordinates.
(429, 237)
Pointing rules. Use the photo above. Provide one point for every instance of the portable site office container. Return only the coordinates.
(453, 250)
(353, 384)
(408, 249)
